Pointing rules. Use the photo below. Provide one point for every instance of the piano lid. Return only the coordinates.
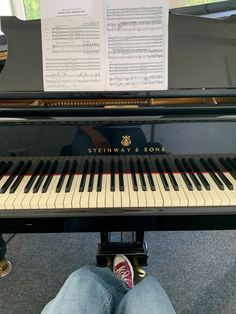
(202, 59)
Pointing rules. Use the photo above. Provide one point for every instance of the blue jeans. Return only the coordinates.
(94, 290)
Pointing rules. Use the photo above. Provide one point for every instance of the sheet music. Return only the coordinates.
(97, 45)
(73, 45)
(136, 44)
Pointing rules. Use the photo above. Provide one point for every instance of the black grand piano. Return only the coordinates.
(121, 161)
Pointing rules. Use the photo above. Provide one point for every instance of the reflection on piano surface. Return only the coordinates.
(118, 167)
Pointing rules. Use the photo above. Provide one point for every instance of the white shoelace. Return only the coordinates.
(122, 273)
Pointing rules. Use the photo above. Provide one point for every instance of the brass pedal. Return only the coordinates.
(109, 263)
(138, 270)
(5, 267)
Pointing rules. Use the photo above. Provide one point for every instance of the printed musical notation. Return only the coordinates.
(137, 44)
(114, 45)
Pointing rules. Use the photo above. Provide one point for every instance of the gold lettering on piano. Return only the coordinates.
(127, 150)
(126, 141)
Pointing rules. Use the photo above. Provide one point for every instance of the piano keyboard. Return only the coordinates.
(117, 182)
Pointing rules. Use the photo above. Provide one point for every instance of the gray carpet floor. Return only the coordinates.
(197, 269)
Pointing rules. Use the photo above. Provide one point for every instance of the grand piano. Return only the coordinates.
(121, 161)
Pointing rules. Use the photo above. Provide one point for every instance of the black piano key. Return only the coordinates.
(92, 174)
(149, 175)
(71, 176)
(183, 174)
(42, 175)
(228, 167)
(12, 177)
(191, 174)
(220, 174)
(34, 176)
(162, 175)
(121, 176)
(201, 177)
(133, 175)
(141, 176)
(52, 171)
(62, 177)
(212, 174)
(231, 162)
(20, 177)
(5, 168)
(84, 175)
(112, 172)
(100, 174)
(171, 176)
(2, 164)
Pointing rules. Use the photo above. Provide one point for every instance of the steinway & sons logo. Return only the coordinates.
(126, 141)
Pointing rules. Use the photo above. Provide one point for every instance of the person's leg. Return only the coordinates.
(88, 290)
(147, 297)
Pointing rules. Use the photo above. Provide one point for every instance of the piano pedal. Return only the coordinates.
(109, 263)
(135, 250)
(139, 272)
(5, 267)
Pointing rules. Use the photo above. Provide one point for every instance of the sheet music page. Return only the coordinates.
(73, 45)
(136, 44)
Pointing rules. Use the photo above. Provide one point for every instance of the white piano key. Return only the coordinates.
(94, 194)
(67, 203)
(21, 196)
(208, 200)
(101, 196)
(77, 194)
(189, 194)
(214, 192)
(197, 194)
(48, 200)
(43, 201)
(60, 197)
(34, 202)
(230, 193)
(182, 193)
(167, 200)
(12, 201)
(117, 193)
(173, 194)
(158, 198)
(232, 180)
(84, 200)
(133, 195)
(142, 201)
(25, 203)
(149, 193)
(51, 200)
(75, 203)
(4, 196)
(125, 195)
(19, 193)
(109, 193)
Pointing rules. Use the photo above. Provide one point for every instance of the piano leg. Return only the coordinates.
(3, 247)
(135, 250)
(5, 265)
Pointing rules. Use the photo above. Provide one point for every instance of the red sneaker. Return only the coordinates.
(123, 269)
